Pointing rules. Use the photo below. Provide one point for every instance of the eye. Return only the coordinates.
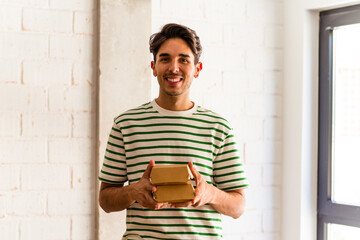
(184, 60)
(164, 59)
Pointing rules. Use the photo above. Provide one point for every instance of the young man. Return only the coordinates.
(172, 129)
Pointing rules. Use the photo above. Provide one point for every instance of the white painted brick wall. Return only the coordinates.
(10, 71)
(20, 45)
(74, 5)
(47, 80)
(242, 80)
(46, 124)
(27, 3)
(8, 228)
(44, 20)
(47, 99)
(53, 73)
(10, 126)
(83, 73)
(9, 179)
(26, 204)
(10, 18)
(19, 150)
(44, 228)
(22, 98)
(70, 151)
(82, 228)
(78, 47)
(73, 202)
(45, 177)
(84, 22)
(83, 124)
(83, 176)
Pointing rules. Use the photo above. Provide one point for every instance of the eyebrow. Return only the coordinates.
(184, 55)
(166, 55)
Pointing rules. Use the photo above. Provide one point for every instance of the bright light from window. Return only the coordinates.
(346, 116)
(342, 232)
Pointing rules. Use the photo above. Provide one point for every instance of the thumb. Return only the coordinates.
(194, 171)
(148, 169)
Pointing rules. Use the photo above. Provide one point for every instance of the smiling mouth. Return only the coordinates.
(174, 79)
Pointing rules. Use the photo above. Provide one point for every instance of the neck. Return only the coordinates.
(174, 103)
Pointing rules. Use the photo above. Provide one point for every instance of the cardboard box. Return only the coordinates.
(172, 183)
(170, 174)
(174, 193)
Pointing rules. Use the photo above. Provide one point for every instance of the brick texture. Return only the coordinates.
(47, 76)
(46, 228)
(44, 20)
(47, 108)
(10, 18)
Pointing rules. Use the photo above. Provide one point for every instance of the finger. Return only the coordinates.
(197, 204)
(194, 171)
(151, 203)
(199, 194)
(196, 200)
(161, 205)
(164, 205)
(182, 204)
(148, 169)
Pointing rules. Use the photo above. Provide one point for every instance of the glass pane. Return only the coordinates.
(346, 115)
(342, 232)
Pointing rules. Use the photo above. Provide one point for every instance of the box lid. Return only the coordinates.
(170, 174)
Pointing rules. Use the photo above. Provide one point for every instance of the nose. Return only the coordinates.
(174, 67)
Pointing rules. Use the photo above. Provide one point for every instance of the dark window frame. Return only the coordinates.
(328, 210)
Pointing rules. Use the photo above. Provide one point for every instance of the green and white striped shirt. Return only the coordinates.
(173, 137)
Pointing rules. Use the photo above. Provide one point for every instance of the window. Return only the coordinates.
(339, 125)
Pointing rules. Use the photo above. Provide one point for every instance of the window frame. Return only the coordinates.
(329, 211)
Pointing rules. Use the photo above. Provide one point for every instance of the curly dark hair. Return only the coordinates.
(173, 30)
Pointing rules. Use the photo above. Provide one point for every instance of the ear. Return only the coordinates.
(153, 68)
(198, 68)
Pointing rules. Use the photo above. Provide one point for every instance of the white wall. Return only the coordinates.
(301, 27)
(47, 79)
(125, 27)
(48, 67)
(242, 80)
(48, 62)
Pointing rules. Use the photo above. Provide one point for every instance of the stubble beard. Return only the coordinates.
(182, 90)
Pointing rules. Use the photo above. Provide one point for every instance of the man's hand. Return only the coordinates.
(117, 197)
(203, 191)
(230, 203)
(143, 189)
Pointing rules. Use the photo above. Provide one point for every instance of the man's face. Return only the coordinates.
(175, 68)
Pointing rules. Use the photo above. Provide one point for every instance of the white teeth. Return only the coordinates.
(173, 80)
